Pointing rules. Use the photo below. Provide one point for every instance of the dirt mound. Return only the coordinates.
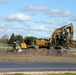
(37, 55)
(46, 52)
(39, 52)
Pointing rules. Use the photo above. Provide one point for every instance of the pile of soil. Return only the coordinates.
(37, 55)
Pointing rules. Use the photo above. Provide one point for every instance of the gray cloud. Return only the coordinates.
(5, 29)
(51, 22)
(33, 9)
(41, 28)
(3, 1)
(73, 18)
(8, 29)
(58, 13)
(5, 26)
(50, 12)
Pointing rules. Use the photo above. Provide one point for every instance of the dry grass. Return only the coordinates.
(41, 73)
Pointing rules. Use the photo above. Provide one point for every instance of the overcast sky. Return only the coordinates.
(37, 18)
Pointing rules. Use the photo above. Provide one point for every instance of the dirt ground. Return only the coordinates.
(38, 55)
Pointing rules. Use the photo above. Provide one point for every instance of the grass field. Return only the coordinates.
(64, 74)
(41, 74)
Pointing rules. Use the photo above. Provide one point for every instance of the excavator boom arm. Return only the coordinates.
(59, 30)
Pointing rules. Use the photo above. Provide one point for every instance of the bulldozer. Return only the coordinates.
(61, 37)
(18, 45)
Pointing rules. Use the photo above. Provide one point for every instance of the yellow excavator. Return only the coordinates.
(18, 45)
(60, 36)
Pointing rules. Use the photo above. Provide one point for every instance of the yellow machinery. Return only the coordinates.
(17, 45)
(23, 45)
(52, 41)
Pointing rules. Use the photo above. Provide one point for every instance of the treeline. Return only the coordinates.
(29, 40)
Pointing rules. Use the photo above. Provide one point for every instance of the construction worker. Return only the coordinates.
(14, 46)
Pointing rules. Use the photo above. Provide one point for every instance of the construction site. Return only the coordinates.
(60, 47)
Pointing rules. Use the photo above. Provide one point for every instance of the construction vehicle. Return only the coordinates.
(58, 38)
(18, 45)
